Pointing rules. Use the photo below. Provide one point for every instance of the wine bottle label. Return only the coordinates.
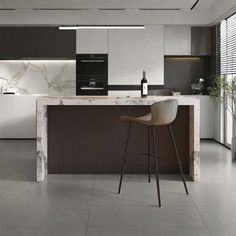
(145, 88)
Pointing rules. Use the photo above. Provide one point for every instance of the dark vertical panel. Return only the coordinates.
(201, 41)
(90, 139)
(211, 62)
(181, 72)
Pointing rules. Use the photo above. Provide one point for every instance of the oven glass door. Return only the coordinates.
(92, 66)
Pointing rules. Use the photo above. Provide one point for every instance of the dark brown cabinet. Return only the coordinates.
(6, 43)
(37, 43)
(201, 41)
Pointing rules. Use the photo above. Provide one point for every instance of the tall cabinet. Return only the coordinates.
(91, 41)
(131, 51)
(177, 40)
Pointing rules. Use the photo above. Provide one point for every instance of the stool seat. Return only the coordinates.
(144, 120)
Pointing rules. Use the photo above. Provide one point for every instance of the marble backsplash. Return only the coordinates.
(53, 77)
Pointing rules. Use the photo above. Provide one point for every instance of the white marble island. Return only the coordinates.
(42, 124)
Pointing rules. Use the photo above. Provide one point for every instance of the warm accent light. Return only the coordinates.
(101, 27)
(182, 58)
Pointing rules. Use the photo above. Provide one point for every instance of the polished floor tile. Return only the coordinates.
(219, 216)
(42, 231)
(221, 231)
(104, 216)
(149, 231)
(88, 205)
(27, 216)
(136, 191)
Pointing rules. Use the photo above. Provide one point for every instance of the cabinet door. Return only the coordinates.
(91, 41)
(6, 43)
(6, 106)
(207, 116)
(24, 116)
(177, 40)
(201, 41)
(132, 51)
(43, 43)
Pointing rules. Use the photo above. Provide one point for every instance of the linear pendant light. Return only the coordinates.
(101, 27)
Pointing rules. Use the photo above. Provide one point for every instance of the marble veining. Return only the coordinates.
(43, 102)
(39, 77)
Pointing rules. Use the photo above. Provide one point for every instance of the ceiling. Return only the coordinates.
(105, 4)
(114, 12)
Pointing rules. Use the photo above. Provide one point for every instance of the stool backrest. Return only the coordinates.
(159, 92)
(164, 112)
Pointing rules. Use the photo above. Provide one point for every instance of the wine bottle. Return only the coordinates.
(144, 86)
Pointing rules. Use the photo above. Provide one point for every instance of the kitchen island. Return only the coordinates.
(84, 135)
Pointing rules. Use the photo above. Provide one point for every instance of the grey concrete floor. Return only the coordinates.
(82, 205)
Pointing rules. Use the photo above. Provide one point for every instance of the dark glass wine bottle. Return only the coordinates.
(144, 86)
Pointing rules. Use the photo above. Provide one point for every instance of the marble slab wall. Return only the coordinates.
(53, 77)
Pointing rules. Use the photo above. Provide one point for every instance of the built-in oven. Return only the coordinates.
(91, 74)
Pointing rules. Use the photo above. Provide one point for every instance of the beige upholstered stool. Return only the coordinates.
(162, 113)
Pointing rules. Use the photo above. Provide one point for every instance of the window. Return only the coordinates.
(226, 64)
(228, 46)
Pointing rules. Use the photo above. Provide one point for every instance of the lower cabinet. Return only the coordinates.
(18, 116)
(207, 116)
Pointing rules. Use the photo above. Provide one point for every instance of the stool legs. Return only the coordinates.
(178, 158)
(125, 155)
(149, 155)
(156, 165)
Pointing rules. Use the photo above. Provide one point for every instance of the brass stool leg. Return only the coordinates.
(125, 155)
(149, 157)
(156, 165)
(178, 158)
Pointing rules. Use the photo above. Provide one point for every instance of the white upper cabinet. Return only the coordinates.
(177, 40)
(132, 51)
(91, 41)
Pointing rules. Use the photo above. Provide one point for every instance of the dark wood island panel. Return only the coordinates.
(90, 140)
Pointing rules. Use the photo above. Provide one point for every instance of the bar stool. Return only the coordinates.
(161, 113)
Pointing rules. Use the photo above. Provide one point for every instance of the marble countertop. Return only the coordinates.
(25, 95)
(109, 100)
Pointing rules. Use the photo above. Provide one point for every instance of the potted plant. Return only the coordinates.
(224, 92)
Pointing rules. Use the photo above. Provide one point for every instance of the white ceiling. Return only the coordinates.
(206, 4)
(67, 12)
(102, 4)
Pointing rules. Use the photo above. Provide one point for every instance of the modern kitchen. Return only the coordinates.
(117, 117)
